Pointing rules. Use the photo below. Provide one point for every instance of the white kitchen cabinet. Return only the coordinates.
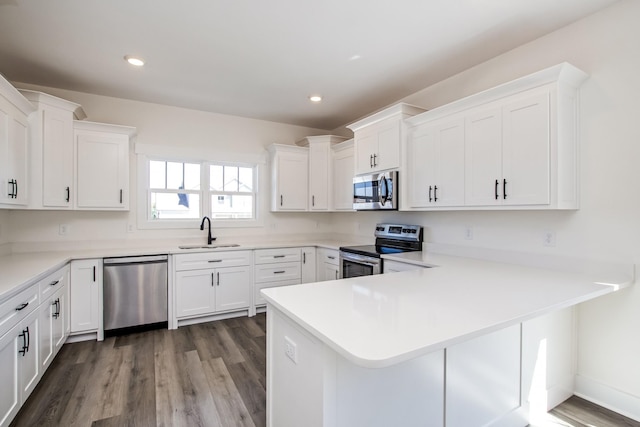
(320, 169)
(51, 183)
(508, 151)
(308, 265)
(86, 296)
(343, 172)
(435, 164)
(275, 267)
(389, 266)
(377, 138)
(212, 282)
(101, 165)
(53, 315)
(14, 161)
(328, 264)
(289, 177)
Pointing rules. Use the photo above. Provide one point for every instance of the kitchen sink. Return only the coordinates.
(213, 246)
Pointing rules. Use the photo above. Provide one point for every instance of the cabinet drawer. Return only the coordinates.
(16, 308)
(212, 260)
(268, 256)
(277, 272)
(53, 282)
(328, 256)
(259, 300)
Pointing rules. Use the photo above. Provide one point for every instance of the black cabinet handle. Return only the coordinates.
(435, 193)
(281, 200)
(25, 348)
(371, 160)
(22, 306)
(375, 162)
(56, 313)
(215, 260)
(15, 196)
(218, 277)
(120, 196)
(504, 188)
(13, 193)
(313, 200)
(430, 198)
(304, 257)
(211, 279)
(278, 256)
(279, 272)
(94, 273)
(331, 257)
(496, 189)
(68, 194)
(54, 283)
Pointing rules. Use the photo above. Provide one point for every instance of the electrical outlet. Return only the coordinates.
(291, 349)
(63, 230)
(130, 228)
(468, 233)
(549, 239)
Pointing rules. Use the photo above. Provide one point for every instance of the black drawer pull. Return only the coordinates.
(331, 257)
(215, 260)
(22, 306)
(54, 283)
(279, 272)
(496, 189)
(279, 256)
(504, 188)
(68, 194)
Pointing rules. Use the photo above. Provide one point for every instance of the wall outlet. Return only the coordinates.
(549, 238)
(130, 228)
(468, 233)
(64, 229)
(291, 349)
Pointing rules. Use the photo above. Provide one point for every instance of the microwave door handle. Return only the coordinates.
(384, 197)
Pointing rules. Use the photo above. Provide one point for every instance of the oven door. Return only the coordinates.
(353, 265)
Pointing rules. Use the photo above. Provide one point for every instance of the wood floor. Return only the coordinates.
(210, 374)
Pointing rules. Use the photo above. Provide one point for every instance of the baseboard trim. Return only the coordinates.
(608, 397)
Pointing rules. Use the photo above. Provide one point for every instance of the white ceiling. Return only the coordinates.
(262, 59)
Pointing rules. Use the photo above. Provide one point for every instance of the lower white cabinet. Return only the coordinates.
(53, 331)
(86, 296)
(276, 267)
(328, 264)
(389, 266)
(212, 282)
(308, 265)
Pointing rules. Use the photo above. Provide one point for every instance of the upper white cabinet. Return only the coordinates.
(289, 177)
(435, 164)
(377, 138)
(514, 146)
(51, 150)
(343, 172)
(320, 170)
(101, 165)
(14, 161)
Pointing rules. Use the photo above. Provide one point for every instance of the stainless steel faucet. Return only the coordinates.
(209, 238)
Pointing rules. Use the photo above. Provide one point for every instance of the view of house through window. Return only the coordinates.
(176, 191)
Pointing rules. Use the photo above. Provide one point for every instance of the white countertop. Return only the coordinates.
(377, 321)
(22, 269)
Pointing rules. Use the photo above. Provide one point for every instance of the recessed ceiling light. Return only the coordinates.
(134, 61)
(315, 98)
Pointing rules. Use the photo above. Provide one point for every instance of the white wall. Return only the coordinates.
(607, 226)
(161, 125)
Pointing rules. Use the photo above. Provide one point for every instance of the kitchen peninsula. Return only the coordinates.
(467, 342)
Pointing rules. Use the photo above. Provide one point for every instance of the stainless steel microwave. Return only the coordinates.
(378, 191)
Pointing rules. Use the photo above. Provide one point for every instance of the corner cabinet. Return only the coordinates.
(377, 138)
(101, 165)
(343, 172)
(51, 184)
(14, 161)
(511, 147)
(289, 177)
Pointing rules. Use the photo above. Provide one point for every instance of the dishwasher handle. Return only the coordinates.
(146, 259)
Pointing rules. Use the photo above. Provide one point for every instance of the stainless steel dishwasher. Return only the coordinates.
(135, 292)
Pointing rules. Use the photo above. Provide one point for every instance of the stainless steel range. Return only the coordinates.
(390, 238)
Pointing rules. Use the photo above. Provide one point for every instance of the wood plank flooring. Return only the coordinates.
(210, 374)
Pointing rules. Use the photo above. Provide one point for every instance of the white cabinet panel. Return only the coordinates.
(289, 178)
(319, 176)
(270, 256)
(86, 295)
(308, 265)
(343, 172)
(10, 344)
(195, 292)
(233, 288)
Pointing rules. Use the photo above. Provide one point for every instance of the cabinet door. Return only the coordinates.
(58, 331)
(29, 363)
(57, 161)
(195, 292)
(421, 156)
(47, 311)
(86, 295)
(483, 156)
(291, 176)
(308, 265)
(366, 145)
(10, 344)
(526, 139)
(343, 173)
(388, 156)
(319, 177)
(450, 164)
(102, 170)
(329, 272)
(233, 288)
(13, 157)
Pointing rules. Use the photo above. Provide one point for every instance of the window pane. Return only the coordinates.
(215, 178)
(231, 207)
(175, 206)
(174, 176)
(191, 176)
(230, 178)
(156, 174)
(245, 178)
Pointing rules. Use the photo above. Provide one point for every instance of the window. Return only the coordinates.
(180, 193)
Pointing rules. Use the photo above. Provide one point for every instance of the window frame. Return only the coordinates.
(144, 195)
